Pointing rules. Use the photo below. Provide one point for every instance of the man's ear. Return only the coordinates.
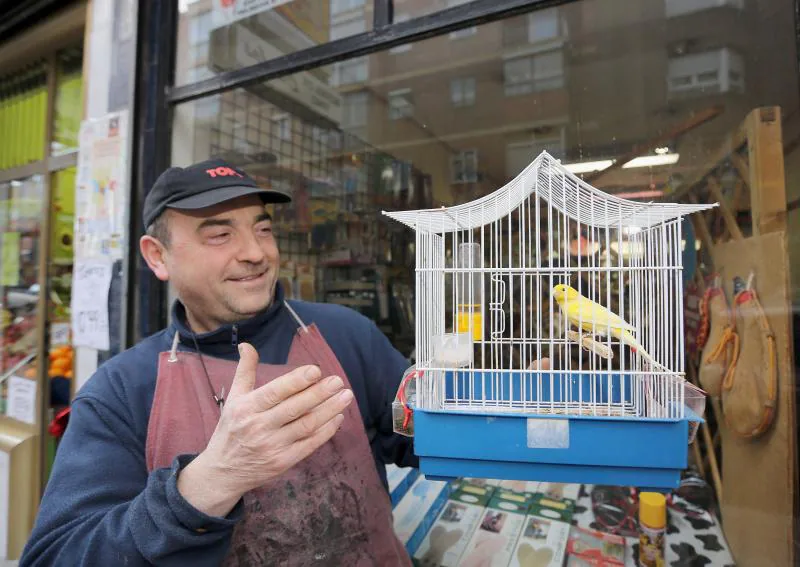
(153, 253)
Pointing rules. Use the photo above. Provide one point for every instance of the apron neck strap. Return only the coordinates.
(296, 317)
(173, 352)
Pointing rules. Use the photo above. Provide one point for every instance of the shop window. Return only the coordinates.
(261, 31)
(319, 135)
(341, 6)
(23, 100)
(69, 101)
(544, 25)
(400, 105)
(716, 71)
(464, 167)
(348, 27)
(466, 32)
(406, 46)
(207, 108)
(462, 91)
(354, 70)
(200, 28)
(351, 71)
(354, 110)
(21, 231)
(534, 73)
(461, 34)
(680, 7)
(520, 154)
(283, 127)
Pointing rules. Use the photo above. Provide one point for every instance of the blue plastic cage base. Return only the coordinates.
(653, 480)
(643, 453)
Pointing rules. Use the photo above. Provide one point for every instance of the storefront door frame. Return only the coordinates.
(157, 96)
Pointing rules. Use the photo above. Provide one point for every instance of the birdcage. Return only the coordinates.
(549, 335)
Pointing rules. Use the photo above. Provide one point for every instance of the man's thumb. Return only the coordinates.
(245, 377)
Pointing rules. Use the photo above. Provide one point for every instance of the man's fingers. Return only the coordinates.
(283, 387)
(309, 423)
(541, 364)
(303, 448)
(245, 376)
(300, 404)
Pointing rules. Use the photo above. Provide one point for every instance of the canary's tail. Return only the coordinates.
(636, 347)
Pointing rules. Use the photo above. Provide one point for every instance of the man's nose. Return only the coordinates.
(251, 250)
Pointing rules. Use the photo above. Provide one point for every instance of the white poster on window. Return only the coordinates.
(91, 281)
(101, 187)
(225, 12)
(59, 334)
(22, 399)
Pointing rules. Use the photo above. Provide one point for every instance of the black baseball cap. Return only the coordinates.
(202, 185)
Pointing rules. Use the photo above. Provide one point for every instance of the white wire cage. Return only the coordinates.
(490, 336)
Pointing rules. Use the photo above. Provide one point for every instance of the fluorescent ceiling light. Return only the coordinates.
(653, 161)
(588, 166)
(600, 165)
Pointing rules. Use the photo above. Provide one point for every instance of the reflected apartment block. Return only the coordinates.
(473, 106)
(588, 81)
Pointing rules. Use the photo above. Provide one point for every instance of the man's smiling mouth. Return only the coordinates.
(249, 278)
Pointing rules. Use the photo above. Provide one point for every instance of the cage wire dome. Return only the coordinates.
(549, 336)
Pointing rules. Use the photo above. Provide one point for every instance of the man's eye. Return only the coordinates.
(218, 237)
(264, 230)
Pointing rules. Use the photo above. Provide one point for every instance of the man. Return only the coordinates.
(229, 437)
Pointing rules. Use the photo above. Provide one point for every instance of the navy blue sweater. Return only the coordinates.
(101, 507)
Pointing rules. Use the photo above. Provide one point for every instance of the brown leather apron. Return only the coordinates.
(330, 509)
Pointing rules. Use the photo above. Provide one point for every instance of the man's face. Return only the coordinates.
(223, 261)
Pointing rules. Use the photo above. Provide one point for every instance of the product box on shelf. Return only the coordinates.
(501, 524)
(559, 509)
(418, 509)
(530, 487)
(448, 538)
(483, 481)
(544, 538)
(560, 490)
(400, 479)
(596, 548)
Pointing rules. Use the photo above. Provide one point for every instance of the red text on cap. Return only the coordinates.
(223, 172)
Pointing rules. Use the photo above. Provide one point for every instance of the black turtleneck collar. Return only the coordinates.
(225, 338)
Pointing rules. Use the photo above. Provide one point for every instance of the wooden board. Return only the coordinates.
(767, 178)
(758, 501)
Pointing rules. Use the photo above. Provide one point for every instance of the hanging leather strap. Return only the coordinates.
(729, 335)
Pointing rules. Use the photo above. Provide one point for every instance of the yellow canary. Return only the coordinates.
(595, 319)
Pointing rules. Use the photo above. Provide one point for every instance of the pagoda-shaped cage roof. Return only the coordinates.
(562, 190)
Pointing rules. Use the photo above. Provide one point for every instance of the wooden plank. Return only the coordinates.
(725, 210)
(741, 200)
(701, 228)
(706, 433)
(758, 515)
(698, 458)
(741, 166)
(732, 144)
(767, 178)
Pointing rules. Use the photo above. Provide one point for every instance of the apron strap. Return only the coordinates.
(296, 316)
(173, 352)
